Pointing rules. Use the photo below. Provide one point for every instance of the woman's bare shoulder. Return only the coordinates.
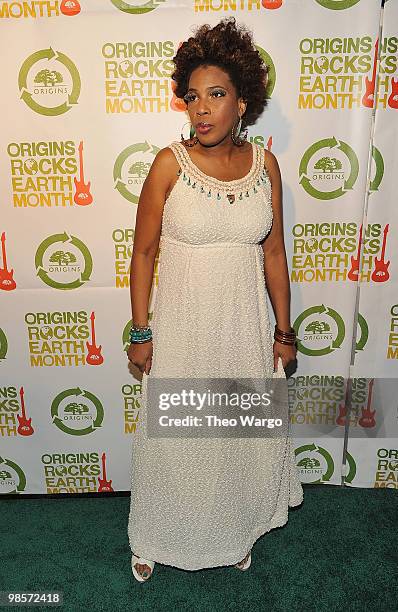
(165, 162)
(164, 166)
(271, 165)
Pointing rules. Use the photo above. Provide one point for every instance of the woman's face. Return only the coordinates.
(213, 106)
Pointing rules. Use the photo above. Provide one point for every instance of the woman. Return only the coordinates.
(214, 205)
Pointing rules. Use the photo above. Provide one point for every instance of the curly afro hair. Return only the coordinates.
(231, 48)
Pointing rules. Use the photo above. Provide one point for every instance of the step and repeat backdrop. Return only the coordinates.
(87, 102)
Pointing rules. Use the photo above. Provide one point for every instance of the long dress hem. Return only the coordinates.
(197, 562)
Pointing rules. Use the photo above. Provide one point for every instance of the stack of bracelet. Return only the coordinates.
(285, 337)
(140, 334)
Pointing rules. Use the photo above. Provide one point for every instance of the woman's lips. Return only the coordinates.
(203, 128)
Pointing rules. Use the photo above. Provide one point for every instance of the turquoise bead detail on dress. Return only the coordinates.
(255, 190)
(247, 194)
(184, 177)
(202, 189)
(209, 194)
(218, 197)
(241, 196)
(189, 181)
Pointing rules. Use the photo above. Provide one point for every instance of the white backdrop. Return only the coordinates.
(86, 103)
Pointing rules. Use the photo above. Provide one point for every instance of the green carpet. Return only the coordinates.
(338, 551)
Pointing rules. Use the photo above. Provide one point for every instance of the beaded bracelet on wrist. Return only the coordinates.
(140, 334)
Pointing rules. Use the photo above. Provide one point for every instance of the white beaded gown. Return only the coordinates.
(199, 503)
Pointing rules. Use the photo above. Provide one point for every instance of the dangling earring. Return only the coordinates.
(191, 136)
(238, 135)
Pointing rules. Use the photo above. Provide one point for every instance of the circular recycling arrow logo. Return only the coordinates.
(337, 5)
(135, 7)
(267, 59)
(10, 474)
(77, 406)
(363, 333)
(66, 260)
(318, 327)
(320, 463)
(327, 169)
(48, 81)
(379, 162)
(3, 344)
(131, 169)
(351, 468)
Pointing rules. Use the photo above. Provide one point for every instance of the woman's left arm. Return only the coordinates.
(275, 264)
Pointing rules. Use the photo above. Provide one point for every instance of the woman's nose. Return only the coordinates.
(202, 108)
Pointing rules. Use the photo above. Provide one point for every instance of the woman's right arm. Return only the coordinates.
(157, 185)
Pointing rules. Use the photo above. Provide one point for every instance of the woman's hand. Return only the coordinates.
(287, 352)
(141, 355)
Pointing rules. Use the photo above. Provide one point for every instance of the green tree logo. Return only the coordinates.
(139, 169)
(4, 475)
(318, 327)
(63, 258)
(48, 78)
(75, 408)
(309, 463)
(328, 164)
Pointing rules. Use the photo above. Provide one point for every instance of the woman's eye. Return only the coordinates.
(189, 98)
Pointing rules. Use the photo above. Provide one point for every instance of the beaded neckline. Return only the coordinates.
(206, 177)
(213, 187)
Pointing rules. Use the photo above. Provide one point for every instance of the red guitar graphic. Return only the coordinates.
(70, 7)
(341, 418)
(393, 97)
(24, 428)
(367, 419)
(82, 196)
(104, 484)
(7, 283)
(368, 97)
(94, 356)
(269, 143)
(272, 4)
(353, 273)
(381, 274)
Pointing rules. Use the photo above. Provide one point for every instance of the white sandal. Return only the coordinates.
(141, 561)
(246, 564)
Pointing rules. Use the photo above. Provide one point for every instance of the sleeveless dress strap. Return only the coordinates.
(180, 154)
